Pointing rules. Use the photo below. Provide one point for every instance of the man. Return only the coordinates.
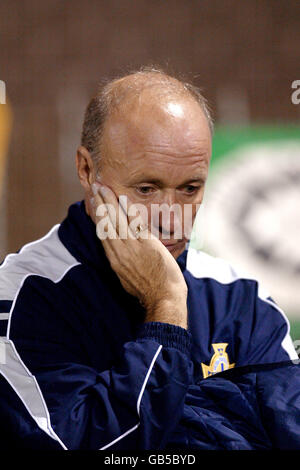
(109, 340)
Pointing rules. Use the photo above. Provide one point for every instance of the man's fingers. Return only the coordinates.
(105, 217)
(130, 221)
(117, 210)
(138, 220)
(106, 231)
(124, 226)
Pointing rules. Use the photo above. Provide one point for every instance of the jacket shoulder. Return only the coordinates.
(46, 257)
(204, 265)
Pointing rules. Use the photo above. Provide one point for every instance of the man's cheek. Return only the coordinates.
(189, 212)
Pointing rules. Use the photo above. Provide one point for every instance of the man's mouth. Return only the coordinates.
(172, 245)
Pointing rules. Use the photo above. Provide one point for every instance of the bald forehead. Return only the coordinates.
(153, 116)
(152, 110)
(141, 87)
(150, 121)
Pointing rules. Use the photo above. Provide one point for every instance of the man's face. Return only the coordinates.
(157, 152)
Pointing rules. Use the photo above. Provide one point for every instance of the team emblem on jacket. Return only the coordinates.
(219, 361)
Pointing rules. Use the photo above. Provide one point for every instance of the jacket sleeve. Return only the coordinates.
(264, 337)
(278, 395)
(246, 408)
(135, 404)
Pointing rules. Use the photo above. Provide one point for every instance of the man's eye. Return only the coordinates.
(191, 189)
(145, 189)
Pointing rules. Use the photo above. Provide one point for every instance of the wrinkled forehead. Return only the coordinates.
(150, 121)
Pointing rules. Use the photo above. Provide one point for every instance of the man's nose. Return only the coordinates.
(168, 214)
(168, 197)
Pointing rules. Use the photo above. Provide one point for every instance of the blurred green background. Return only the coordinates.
(254, 187)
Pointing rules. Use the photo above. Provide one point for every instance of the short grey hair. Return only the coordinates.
(111, 94)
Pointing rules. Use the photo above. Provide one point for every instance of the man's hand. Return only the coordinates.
(144, 266)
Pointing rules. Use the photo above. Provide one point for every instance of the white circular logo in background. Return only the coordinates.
(252, 216)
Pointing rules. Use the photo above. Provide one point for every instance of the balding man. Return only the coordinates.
(113, 323)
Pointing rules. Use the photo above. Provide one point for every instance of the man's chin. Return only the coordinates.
(176, 249)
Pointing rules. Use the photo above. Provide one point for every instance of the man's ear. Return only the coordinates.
(85, 168)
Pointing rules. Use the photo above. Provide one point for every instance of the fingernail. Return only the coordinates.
(92, 200)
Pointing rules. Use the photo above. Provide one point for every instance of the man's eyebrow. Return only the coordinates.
(198, 179)
(144, 179)
(160, 183)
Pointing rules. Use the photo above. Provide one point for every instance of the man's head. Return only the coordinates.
(148, 136)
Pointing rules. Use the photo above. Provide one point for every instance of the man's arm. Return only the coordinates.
(144, 266)
(267, 338)
(135, 404)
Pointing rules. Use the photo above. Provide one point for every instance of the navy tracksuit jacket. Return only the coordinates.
(79, 368)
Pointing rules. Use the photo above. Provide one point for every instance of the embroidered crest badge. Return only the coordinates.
(219, 361)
